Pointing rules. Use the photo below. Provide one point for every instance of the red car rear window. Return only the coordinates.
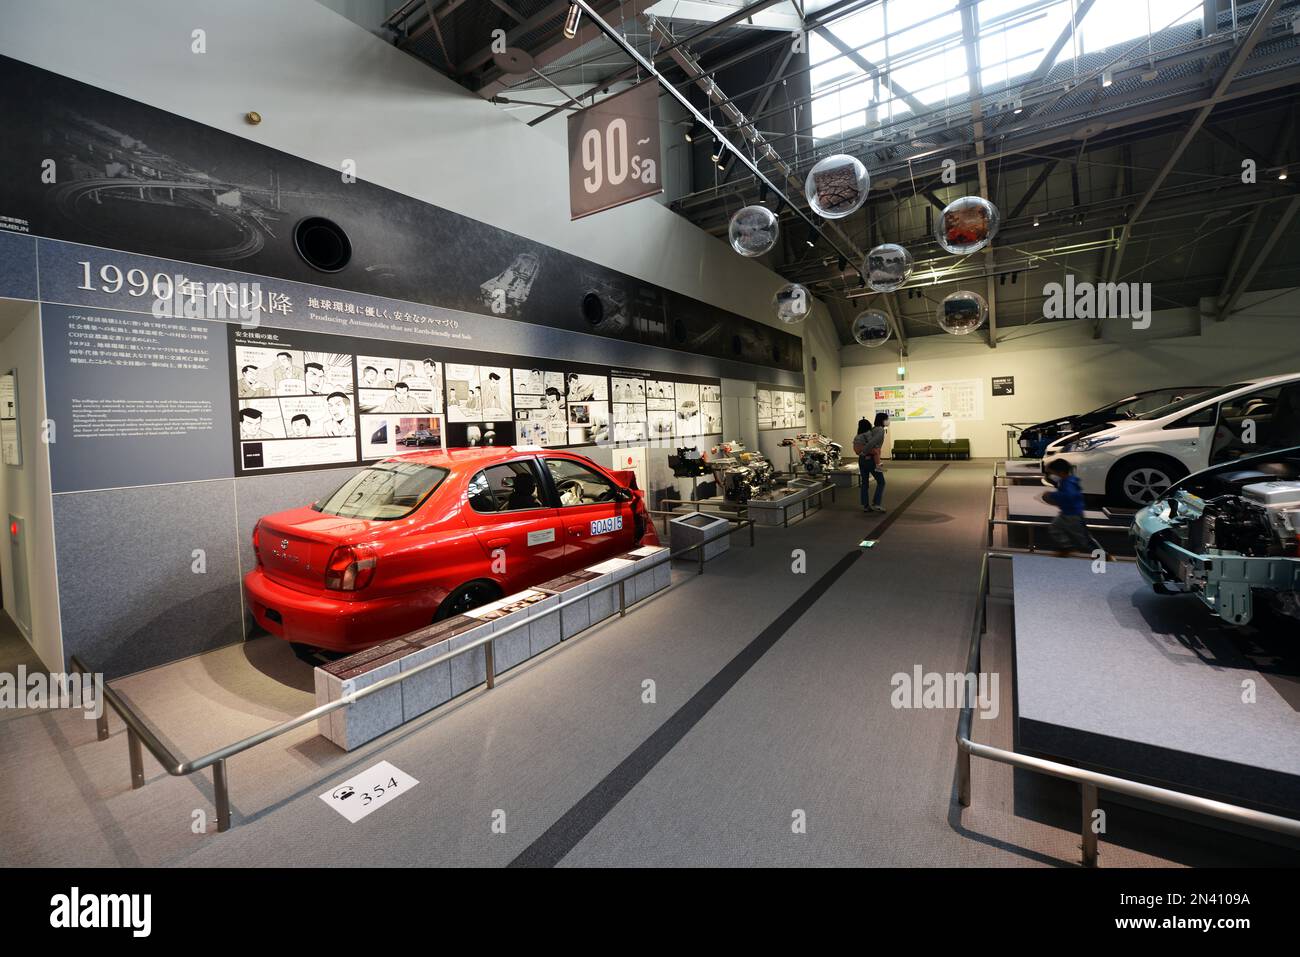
(384, 491)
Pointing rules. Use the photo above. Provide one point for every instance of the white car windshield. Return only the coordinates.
(1177, 404)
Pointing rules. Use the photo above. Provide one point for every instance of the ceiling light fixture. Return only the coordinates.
(571, 21)
(1282, 174)
(1035, 219)
(1107, 78)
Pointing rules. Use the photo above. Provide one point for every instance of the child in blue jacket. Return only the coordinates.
(1068, 530)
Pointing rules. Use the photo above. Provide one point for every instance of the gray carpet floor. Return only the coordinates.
(805, 730)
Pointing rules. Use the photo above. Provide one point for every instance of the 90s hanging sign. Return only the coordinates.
(614, 153)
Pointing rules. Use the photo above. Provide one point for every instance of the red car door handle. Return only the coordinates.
(498, 542)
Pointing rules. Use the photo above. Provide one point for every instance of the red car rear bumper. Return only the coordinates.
(332, 623)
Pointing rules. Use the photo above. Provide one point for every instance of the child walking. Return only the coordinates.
(1068, 530)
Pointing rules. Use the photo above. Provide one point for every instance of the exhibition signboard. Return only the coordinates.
(614, 152)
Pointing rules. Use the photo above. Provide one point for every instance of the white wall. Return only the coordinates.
(328, 91)
(25, 490)
(1060, 369)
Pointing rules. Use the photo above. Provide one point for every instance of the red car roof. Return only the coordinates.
(479, 456)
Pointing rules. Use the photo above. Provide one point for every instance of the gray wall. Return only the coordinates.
(1060, 369)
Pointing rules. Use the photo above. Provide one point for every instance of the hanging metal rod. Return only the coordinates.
(740, 154)
(717, 26)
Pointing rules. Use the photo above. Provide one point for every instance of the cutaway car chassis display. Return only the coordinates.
(1229, 535)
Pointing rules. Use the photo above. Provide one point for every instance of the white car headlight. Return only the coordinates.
(1088, 444)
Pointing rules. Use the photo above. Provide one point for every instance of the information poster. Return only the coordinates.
(923, 401)
(137, 400)
(11, 452)
(781, 409)
(296, 400)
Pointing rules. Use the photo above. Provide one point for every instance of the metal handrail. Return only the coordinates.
(138, 733)
(1090, 782)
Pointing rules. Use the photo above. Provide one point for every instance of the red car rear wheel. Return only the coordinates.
(467, 596)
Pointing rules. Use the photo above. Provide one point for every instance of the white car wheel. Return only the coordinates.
(1144, 485)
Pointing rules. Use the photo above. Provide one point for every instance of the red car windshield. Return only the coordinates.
(384, 491)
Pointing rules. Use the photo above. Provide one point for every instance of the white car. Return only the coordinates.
(1132, 463)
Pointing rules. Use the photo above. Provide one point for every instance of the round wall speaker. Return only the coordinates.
(593, 310)
(322, 243)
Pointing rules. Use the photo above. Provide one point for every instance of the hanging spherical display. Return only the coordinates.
(753, 231)
(871, 328)
(967, 225)
(837, 186)
(962, 312)
(888, 266)
(792, 302)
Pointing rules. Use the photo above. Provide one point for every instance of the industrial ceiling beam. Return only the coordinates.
(760, 103)
(717, 26)
(1263, 16)
(1277, 154)
(683, 56)
(558, 48)
(509, 11)
(862, 63)
(1049, 57)
(827, 14)
(1257, 263)
(1033, 189)
(540, 18)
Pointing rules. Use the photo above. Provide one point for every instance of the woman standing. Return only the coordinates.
(869, 444)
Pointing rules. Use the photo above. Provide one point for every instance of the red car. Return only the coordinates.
(427, 535)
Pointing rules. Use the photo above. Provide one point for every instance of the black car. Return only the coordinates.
(1034, 440)
(421, 437)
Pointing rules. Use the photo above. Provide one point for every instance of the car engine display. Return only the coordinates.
(740, 474)
(817, 453)
(688, 463)
(1229, 535)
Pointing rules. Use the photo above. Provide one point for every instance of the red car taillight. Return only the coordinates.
(349, 569)
(257, 551)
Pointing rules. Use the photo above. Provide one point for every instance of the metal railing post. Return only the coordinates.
(963, 777)
(1088, 793)
(136, 755)
(221, 794)
(101, 723)
(490, 659)
(622, 598)
(701, 549)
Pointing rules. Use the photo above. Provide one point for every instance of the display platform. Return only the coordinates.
(773, 508)
(847, 475)
(1025, 503)
(1022, 472)
(1020, 468)
(1112, 676)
